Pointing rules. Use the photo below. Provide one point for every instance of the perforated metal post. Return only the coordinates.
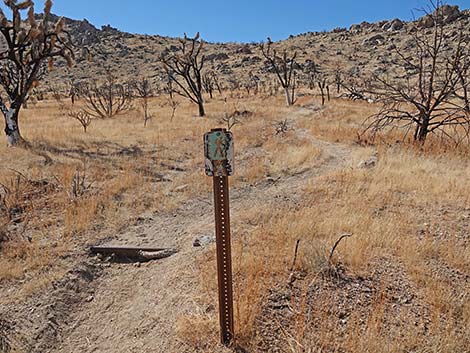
(224, 258)
(218, 152)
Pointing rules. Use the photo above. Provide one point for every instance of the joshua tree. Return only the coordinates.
(185, 70)
(322, 84)
(284, 67)
(29, 45)
(108, 99)
(144, 92)
(210, 82)
(428, 101)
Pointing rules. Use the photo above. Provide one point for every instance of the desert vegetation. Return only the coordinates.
(350, 205)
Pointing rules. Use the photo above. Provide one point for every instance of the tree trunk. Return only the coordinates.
(12, 129)
(201, 109)
(423, 133)
(422, 130)
(288, 96)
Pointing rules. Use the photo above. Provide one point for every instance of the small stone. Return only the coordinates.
(203, 240)
(181, 188)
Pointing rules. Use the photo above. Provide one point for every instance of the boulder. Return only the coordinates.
(426, 22)
(447, 13)
(396, 25)
(374, 40)
(217, 57)
(450, 13)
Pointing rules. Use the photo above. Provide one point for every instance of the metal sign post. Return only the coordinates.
(218, 151)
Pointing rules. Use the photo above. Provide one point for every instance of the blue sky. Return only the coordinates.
(236, 20)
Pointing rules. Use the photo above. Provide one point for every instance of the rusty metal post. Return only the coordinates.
(224, 258)
(218, 150)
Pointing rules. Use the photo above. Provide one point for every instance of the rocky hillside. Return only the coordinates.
(359, 50)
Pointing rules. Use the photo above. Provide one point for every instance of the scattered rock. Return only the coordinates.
(369, 163)
(89, 299)
(374, 40)
(217, 57)
(203, 240)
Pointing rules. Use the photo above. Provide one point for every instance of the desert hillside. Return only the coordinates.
(349, 205)
(357, 51)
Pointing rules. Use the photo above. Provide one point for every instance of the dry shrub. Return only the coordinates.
(199, 331)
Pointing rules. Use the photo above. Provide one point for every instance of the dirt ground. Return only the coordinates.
(99, 304)
(128, 307)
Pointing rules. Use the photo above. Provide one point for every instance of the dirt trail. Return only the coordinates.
(135, 309)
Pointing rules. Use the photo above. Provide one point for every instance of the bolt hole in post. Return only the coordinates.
(218, 151)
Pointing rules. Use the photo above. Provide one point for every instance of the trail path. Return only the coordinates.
(135, 309)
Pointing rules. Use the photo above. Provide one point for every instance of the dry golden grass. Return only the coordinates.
(412, 207)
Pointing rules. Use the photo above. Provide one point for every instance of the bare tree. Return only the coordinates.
(185, 70)
(462, 70)
(210, 82)
(74, 91)
(322, 84)
(284, 67)
(144, 92)
(56, 93)
(82, 117)
(338, 74)
(29, 44)
(172, 102)
(425, 101)
(355, 87)
(108, 99)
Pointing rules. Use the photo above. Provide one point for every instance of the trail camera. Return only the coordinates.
(218, 152)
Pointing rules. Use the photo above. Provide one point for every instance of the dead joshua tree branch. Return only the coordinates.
(282, 127)
(82, 117)
(356, 88)
(297, 243)
(29, 45)
(185, 70)
(284, 67)
(344, 236)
